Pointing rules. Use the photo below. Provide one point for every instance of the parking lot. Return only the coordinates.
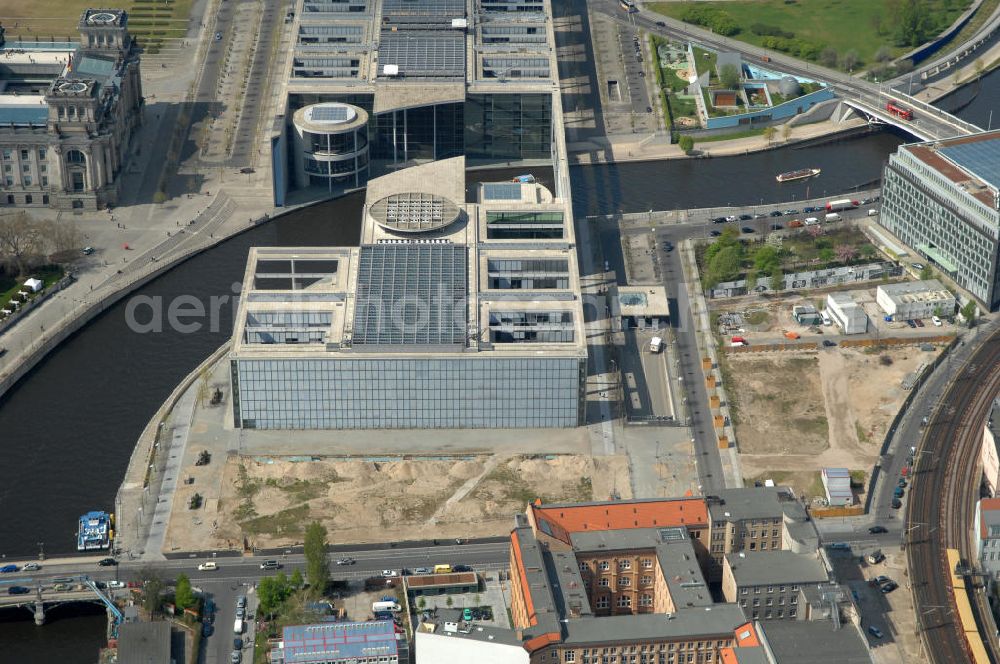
(646, 377)
(620, 58)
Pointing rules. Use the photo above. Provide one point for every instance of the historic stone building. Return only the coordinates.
(68, 112)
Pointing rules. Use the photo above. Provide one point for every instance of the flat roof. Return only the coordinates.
(712, 622)
(754, 503)
(814, 642)
(421, 54)
(146, 642)
(435, 580)
(308, 644)
(757, 568)
(414, 212)
(971, 163)
(909, 291)
(980, 158)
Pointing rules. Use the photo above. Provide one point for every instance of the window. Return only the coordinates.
(770, 589)
(753, 546)
(744, 591)
(10, 199)
(774, 544)
(583, 567)
(45, 180)
(624, 602)
(625, 581)
(624, 564)
(763, 546)
(793, 600)
(645, 600)
(781, 589)
(767, 615)
(756, 590)
(75, 157)
(569, 656)
(8, 155)
(604, 582)
(756, 601)
(604, 565)
(27, 180)
(43, 168)
(743, 603)
(7, 168)
(770, 601)
(795, 588)
(791, 613)
(646, 580)
(10, 182)
(647, 563)
(24, 155)
(45, 199)
(25, 168)
(603, 602)
(41, 153)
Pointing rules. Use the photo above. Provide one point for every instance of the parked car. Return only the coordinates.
(937, 321)
(911, 323)
(901, 482)
(746, 217)
(747, 229)
(345, 561)
(8, 569)
(775, 213)
(107, 562)
(236, 657)
(18, 590)
(888, 587)
(270, 564)
(718, 220)
(661, 24)
(809, 209)
(86, 251)
(917, 266)
(714, 233)
(896, 503)
(875, 530)
(875, 631)
(790, 212)
(116, 584)
(875, 558)
(840, 546)
(877, 581)
(422, 570)
(60, 587)
(732, 217)
(795, 223)
(237, 643)
(207, 630)
(919, 322)
(210, 565)
(31, 567)
(466, 614)
(390, 573)
(461, 568)
(776, 227)
(759, 215)
(218, 36)
(828, 343)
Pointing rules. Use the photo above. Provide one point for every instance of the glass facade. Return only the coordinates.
(934, 216)
(508, 126)
(425, 133)
(431, 393)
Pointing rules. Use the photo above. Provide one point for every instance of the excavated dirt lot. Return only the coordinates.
(802, 411)
(268, 501)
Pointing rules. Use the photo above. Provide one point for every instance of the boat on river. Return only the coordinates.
(94, 531)
(800, 174)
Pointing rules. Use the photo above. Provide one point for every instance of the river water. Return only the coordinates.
(68, 429)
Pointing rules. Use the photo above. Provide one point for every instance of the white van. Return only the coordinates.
(833, 216)
(826, 318)
(872, 212)
(656, 344)
(386, 606)
(811, 221)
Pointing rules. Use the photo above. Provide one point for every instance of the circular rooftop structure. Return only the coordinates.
(414, 212)
(789, 86)
(330, 118)
(101, 18)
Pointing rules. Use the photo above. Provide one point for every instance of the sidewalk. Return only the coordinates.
(628, 148)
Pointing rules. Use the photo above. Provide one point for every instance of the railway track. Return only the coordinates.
(942, 503)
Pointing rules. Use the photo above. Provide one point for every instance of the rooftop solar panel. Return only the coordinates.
(448, 8)
(424, 54)
(411, 294)
(502, 191)
(329, 114)
(981, 158)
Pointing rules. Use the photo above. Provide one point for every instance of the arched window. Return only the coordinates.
(75, 157)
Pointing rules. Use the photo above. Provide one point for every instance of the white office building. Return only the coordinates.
(915, 299)
(847, 313)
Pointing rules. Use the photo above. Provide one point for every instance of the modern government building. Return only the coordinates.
(68, 111)
(942, 198)
(378, 85)
(450, 314)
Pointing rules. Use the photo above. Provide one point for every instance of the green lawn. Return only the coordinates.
(49, 274)
(746, 133)
(844, 25)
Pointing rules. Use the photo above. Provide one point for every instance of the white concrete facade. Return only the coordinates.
(915, 299)
(847, 313)
(438, 647)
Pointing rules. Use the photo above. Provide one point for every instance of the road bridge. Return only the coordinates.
(930, 123)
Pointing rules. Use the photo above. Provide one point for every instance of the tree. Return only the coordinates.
(815, 230)
(422, 603)
(61, 236)
(729, 76)
(883, 54)
(968, 312)
(183, 595)
(686, 143)
(724, 266)
(786, 131)
(926, 273)
(272, 591)
(317, 567)
(152, 590)
(766, 259)
(297, 579)
(769, 133)
(450, 602)
(850, 60)
(825, 254)
(828, 57)
(20, 240)
(846, 253)
(777, 279)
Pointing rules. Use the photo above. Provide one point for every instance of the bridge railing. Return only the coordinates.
(937, 112)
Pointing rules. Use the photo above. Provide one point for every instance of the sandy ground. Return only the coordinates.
(805, 411)
(268, 501)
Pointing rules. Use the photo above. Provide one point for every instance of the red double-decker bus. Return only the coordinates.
(899, 111)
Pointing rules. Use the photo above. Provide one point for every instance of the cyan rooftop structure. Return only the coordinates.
(330, 643)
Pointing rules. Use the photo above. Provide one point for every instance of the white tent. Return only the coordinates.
(34, 285)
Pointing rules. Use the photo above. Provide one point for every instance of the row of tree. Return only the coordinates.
(26, 242)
